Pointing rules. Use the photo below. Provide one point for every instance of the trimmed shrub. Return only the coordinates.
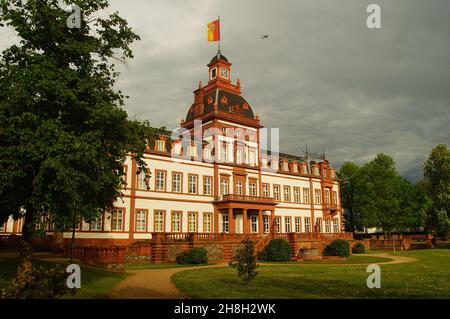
(276, 250)
(338, 247)
(184, 257)
(196, 256)
(359, 249)
(199, 255)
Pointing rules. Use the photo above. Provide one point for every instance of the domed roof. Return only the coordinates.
(228, 102)
(217, 57)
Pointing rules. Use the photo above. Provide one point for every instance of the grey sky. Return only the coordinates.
(322, 77)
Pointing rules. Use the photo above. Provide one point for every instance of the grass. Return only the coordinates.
(354, 259)
(95, 282)
(429, 277)
(160, 266)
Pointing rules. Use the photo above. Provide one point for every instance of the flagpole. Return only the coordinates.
(220, 36)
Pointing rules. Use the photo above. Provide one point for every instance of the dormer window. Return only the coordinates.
(213, 73)
(285, 166)
(316, 171)
(160, 146)
(224, 73)
(305, 169)
(295, 167)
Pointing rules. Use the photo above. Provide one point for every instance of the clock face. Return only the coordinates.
(224, 73)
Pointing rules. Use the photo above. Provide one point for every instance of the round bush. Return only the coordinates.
(199, 255)
(338, 247)
(184, 257)
(359, 249)
(276, 250)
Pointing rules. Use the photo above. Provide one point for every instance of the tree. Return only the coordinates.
(244, 261)
(387, 200)
(437, 184)
(63, 133)
(350, 176)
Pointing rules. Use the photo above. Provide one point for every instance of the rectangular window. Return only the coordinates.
(117, 220)
(278, 224)
(207, 180)
(193, 184)
(287, 193)
(238, 155)
(335, 198)
(319, 224)
(276, 192)
(160, 146)
(160, 181)
(306, 195)
(265, 190)
(141, 220)
(224, 153)
(317, 193)
(254, 220)
(252, 189)
(287, 224)
(295, 167)
(143, 180)
(177, 182)
(158, 217)
(96, 225)
(238, 187)
(304, 169)
(296, 194)
(176, 222)
(307, 224)
(207, 221)
(225, 223)
(266, 220)
(327, 196)
(192, 222)
(224, 187)
(298, 224)
(285, 167)
(336, 225)
(252, 157)
(327, 226)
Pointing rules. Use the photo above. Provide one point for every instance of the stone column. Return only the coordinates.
(231, 222)
(245, 221)
(261, 222)
(272, 221)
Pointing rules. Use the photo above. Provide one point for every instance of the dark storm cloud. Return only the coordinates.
(322, 76)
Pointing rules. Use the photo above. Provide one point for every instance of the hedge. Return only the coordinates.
(338, 247)
(359, 249)
(276, 250)
(196, 255)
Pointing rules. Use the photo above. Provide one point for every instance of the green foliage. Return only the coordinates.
(244, 261)
(197, 255)
(359, 249)
(437, 183)
(375, 195)
(338, 247)
(39, 283)
(184, 258)
(63, 133)
(276, 250)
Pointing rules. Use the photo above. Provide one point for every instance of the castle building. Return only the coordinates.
(223, 186)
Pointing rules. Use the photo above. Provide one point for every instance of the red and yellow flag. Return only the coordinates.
(214, 30)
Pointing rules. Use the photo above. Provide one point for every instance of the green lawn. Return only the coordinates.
(95, 282)
(427, 278)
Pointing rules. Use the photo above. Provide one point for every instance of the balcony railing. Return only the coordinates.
(331, 207)
(245, 198)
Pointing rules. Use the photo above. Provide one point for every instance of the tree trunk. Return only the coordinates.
(25, 253)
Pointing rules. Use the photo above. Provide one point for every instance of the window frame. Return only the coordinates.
(164, 172)
(196, 184)
(136, 220)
